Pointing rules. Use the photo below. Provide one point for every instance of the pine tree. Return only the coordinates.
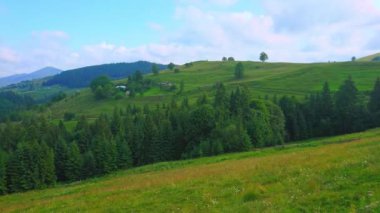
(327, 111)
(73, 163)
(374, 101)
(116, 123)
(15, 180)
(346, 105)
(61, 155)
(89, 165)
(124, 154)
(105, 155)
(82, 134)
(239, 70)
(3, 183)
(47, 167)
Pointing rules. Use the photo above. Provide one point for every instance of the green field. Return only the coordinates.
(338, 174)
(262, 79)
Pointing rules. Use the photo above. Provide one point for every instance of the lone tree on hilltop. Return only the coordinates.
(155, 69)
(263, 57)
(171, 66)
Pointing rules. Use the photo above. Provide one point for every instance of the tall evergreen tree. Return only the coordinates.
(47, 167)
(239, 70)
(61, 155)
(346, 105)
(124, 155)
(73, 163)
(89, 165)
(374, 101)
(3, 183)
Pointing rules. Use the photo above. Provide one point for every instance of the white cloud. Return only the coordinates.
(7, 55)
(155, 26)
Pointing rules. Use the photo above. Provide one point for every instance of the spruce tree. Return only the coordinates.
(73, 163)
(239, 70)
(346, 105)
(47, 167)
(124, 154)
(374, 101)
(89, 165)
(61, 155)
(3, 183)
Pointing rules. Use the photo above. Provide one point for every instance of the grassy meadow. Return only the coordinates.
(337, 174)
(263, 79)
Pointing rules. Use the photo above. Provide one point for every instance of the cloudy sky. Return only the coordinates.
(74, 33)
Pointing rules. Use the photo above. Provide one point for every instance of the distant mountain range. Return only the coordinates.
(41, 73)
(82, 77)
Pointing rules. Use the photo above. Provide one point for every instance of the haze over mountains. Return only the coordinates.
(41, 73)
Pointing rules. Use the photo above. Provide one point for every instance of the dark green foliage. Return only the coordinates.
(155, 69)
(263, 57)
(30, 167)
(239, 70)
(12, 104)
(230, 59)
(124, 154)
(58, 97)
(89, 165)
(68, 116)
(349, 109)
(374, 101)
(73, 163)
(3, 183)
(61, 154)
(105, 155)
(171, 66)
(102, 87)
(137, 83)
(374, 104)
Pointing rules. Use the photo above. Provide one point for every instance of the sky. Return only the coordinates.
(74, 33)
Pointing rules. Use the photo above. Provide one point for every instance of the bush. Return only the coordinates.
(68, 116)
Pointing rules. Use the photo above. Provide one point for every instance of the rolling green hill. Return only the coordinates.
(373, 57)
(338, 174)
(262, 79)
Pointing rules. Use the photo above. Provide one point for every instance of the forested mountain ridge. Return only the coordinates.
(81, 77)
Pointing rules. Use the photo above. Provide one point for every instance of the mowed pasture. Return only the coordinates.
(263, 79)
(337, 174)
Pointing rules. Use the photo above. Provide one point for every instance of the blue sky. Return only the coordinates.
(69, 34)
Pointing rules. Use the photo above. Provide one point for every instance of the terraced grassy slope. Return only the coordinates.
(339, 174)
(263, 79)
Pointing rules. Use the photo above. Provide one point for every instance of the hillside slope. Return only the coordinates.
(373, 57)
(262, 79)
(338, 174)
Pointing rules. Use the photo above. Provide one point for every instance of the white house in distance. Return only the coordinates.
(121, 87)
